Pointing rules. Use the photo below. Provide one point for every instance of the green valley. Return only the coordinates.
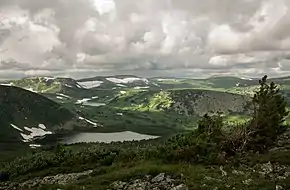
(203, 127)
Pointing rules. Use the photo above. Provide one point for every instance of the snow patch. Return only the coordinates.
(123, 92)
(84, 100)
(161, 79)
(127, 80)
(63, 95)
(68, 85)
(94, 104)
(120, 114)
(79, 86)
(155, 84)
(90, 84)
(48, 78)
(93, 123)
(8, 84)
(42, 126)
(15, 127)
(121, 85)
(59, 97)
(243, 78)
(30, 89)
(34, 132)
(141, 87)
(35, 145)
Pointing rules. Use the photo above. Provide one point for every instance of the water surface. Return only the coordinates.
(106, 137)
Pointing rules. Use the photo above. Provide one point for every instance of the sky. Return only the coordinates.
(180, 38)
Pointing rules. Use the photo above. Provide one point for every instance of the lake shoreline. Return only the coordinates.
(77, 137)
(93, 137)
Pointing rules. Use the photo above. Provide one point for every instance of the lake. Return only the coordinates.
(106, 137)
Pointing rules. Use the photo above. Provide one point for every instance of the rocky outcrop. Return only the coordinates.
(61, 179)
(273, 171)
(283, 142)
(284, 139)
(159, 182)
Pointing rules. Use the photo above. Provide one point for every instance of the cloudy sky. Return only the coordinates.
(190, 38)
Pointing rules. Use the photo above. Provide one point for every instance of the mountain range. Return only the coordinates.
(39, 106)
(43, 119)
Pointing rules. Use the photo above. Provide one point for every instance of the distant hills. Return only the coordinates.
(37, 106)
(183, 101)
(91, 87)
(51, 84)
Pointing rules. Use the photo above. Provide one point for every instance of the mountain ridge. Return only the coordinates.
(26, 116)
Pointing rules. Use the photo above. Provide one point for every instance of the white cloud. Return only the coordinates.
(78, 37)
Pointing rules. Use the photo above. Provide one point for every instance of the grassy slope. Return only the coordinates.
(196, 176)
(37, 84)
(155, 112)
(185, 101)
(151, 111)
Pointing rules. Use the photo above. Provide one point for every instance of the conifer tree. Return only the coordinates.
(270, 110)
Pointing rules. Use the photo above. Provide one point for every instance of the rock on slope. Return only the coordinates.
(161, 181)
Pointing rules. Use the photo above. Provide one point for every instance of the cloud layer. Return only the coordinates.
(165, 37)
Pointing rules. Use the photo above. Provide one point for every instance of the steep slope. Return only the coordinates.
(25, 115)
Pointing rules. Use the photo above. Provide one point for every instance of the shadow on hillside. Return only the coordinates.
(160, 123)
(145, 122)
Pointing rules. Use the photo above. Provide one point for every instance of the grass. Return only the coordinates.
(193, 175)
(155, 112)
(236, 119)
(148, 122)
(38, 85)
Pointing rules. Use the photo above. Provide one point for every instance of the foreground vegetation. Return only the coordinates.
(197, 154)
